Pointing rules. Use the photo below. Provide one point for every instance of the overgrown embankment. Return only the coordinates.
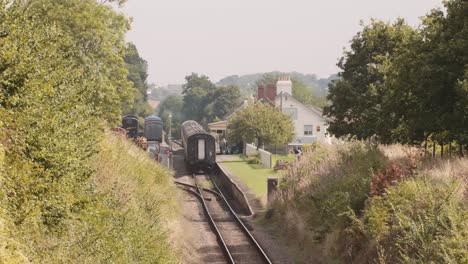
(124, 218)
(69, 192)
(361, 203)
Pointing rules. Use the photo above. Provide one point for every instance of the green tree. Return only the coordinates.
(62, 80)
(359, 99)
(204, 102)
(260, 123)
(405, 85)
(137, 74)
(223, 101)
(196, 91)
(173, 106)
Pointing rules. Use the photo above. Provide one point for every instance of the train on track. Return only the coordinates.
(152, 135)
(153, 128)
(199, 147)
(152, 131)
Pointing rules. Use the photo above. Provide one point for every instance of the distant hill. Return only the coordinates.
(247, 83)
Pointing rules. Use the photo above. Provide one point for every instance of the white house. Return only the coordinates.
(309, 122)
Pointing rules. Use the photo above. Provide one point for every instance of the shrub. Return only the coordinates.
(253, 158)
(416, 214)
(334, 184)
(419, 221)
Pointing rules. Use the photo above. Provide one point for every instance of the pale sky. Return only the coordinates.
(225, 37)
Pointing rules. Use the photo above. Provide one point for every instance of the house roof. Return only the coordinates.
(220, 125)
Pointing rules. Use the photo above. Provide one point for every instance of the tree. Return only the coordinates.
(261, 123)
(359, 105)
(172, 105)
(402, 84)
(194, 80)
(204, 102)
(137, 74)
(62, 80)
(196, 93)
(223, 101)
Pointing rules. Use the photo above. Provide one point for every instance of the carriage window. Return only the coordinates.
(308, 129)
(201, 149)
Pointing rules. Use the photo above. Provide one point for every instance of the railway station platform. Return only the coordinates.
(255, 203)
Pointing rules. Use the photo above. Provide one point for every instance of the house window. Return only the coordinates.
(318, 128)
(308, 129)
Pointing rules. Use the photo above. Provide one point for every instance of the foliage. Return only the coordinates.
(137, 215)
(414, 77)
(328, 208)
(204, 102)
(393, 173)
(137, 74)
(223, 102)
(196, 96)
(63, 79)
(173, 106)
(303, 93)
(260, 123)
(248, 83)
(419, 221)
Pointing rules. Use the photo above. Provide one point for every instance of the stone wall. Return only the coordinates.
(231, 189)
(265, 156)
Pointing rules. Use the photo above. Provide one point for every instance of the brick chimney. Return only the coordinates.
(267, 92)
(271, 92)
(261, 92)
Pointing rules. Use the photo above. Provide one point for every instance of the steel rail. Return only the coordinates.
(243, 227)
(213, 225)
(193, 186)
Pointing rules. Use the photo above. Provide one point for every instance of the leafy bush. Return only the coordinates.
(63, 80)
(253, 158)
(333, 185)
(351, 203)
(419, 221)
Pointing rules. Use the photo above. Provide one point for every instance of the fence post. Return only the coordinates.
(272, 187)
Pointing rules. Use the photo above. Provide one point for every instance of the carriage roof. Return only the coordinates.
(153, 118)
(192, 127)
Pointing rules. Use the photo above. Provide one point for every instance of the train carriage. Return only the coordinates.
(153, 128)
(199, 146)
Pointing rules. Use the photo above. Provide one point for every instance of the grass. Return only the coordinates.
(363, 203)
(255, 175)
(127, 217)
(288, 158)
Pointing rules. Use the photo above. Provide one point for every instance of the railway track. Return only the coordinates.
(236, 241)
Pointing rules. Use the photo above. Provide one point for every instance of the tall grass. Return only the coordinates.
(363, 203)
(124, 220)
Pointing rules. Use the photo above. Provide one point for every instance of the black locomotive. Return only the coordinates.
(130, 124)
(199, 146)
